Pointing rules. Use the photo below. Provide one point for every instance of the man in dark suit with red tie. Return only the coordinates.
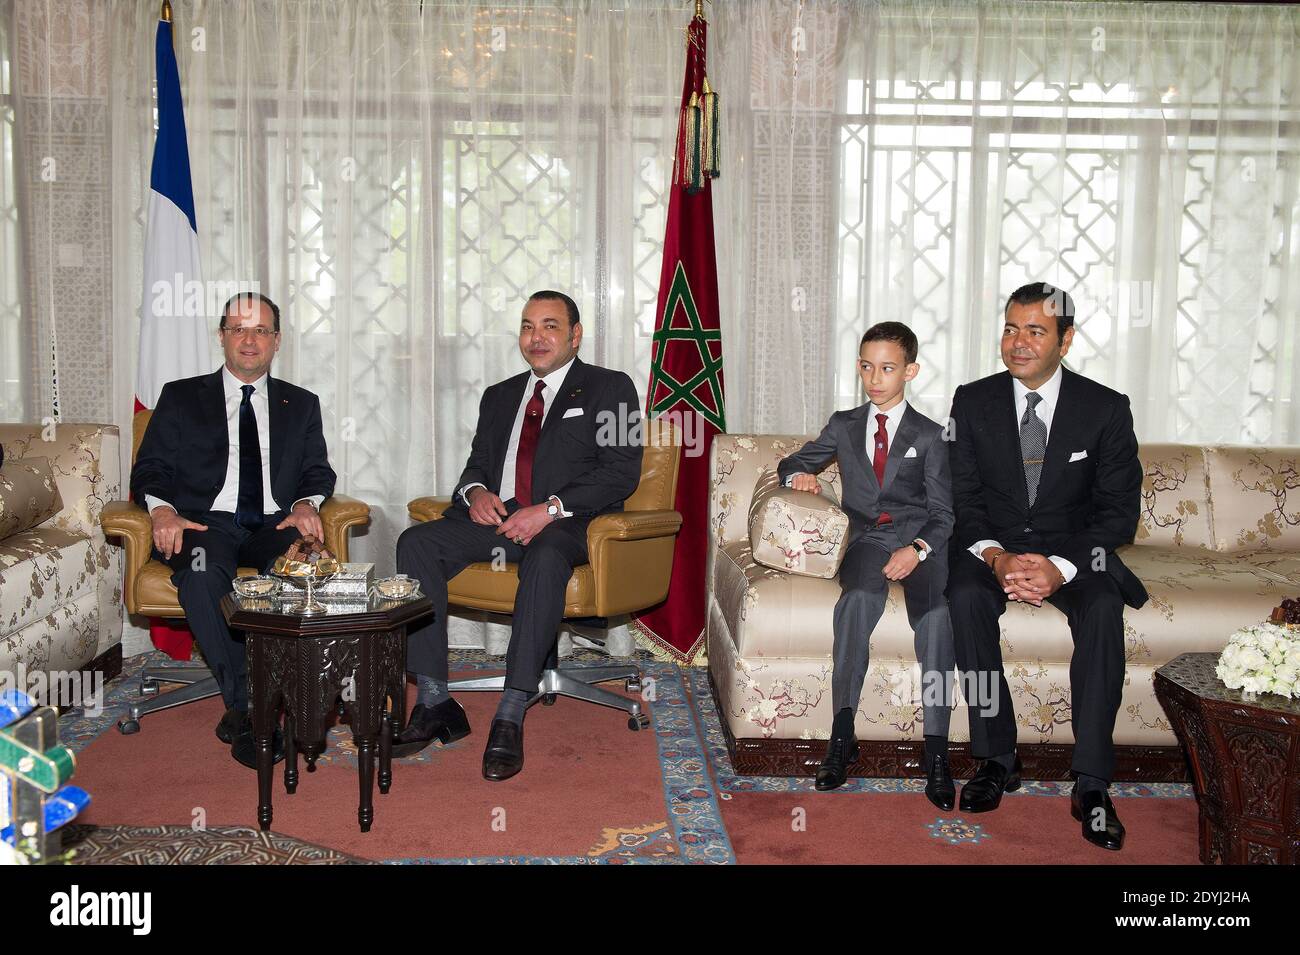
(232, 469)
(542, 464)
(1046, 485)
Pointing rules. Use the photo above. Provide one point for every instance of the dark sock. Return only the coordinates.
(1005, 760)
(1086, 783)
(512, 706)
(935, 746)
(430, 692)
(843, 725)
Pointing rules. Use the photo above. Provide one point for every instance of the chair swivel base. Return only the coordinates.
(578, 683)
(198, 684)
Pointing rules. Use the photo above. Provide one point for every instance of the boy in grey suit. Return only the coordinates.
(898, 496)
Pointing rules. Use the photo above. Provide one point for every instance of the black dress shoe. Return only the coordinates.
(939, 788)
(228, 727)
(504, 755)
(1101, 825)
(244, 746)
(446, 722)
(984, 792)
(841, 753)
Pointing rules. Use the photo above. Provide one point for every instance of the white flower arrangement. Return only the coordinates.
(1263, 658)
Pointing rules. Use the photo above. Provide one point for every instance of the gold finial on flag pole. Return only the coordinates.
(699, 9)
(166, 13)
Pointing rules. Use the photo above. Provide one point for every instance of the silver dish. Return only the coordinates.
(256, 586)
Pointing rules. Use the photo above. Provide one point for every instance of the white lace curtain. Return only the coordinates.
(399, 175)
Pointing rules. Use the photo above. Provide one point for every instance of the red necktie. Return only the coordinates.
(878, 460)
(528, 446)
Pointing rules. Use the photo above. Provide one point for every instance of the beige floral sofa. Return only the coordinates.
(1218, 546)
(60, 582)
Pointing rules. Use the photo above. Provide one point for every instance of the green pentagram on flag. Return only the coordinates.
(680, 294)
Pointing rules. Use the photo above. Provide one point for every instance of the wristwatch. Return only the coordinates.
(921, 552)
(553, 509)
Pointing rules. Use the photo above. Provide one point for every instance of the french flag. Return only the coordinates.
(174, 330)
(174, 333)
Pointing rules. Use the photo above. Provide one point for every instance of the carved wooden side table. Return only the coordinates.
(353, 654)
(1245, 757)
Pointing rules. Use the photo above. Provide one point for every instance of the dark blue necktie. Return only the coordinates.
(248, 510)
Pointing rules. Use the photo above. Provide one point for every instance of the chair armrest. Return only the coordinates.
(630, 526)
(338, 513)
(631, 554)
(427, 508)
(131, 522)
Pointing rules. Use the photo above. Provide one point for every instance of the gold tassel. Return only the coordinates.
(710, 133)
(691, 176)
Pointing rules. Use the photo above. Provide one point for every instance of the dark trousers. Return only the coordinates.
(202, 571)
(437, 551)
(863, 592)
(1095, 610)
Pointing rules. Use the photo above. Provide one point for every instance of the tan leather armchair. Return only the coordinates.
(631, 559)
(148, 589)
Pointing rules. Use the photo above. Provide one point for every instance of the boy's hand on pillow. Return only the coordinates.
(805, 482)
(902, 563)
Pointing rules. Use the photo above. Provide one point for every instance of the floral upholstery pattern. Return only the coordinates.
(28, 495)
(1257, 499)
(60, 581)
(1175, 496)
(769, 632)
(794, 531)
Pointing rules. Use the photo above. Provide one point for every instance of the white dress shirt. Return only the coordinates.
(554, 381)
(228, 497)
(1050, 392)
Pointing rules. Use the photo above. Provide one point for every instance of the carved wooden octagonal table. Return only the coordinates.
(1245, 756)
(303, 667)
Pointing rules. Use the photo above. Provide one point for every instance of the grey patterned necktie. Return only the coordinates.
(1033, 444)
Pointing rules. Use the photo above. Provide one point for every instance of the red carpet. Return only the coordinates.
(586, 779)
(899, 828)
(590, 791)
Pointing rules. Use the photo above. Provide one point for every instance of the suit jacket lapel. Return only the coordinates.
(858, 442)
(904, 438)
(1060, 438)
(279, 405)
(512, 393)
(214, 412)
(1004, 432)
(572, 395)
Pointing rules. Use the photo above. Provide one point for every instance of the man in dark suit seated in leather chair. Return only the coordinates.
(232, 469)
(1046, 483)
(541, 466)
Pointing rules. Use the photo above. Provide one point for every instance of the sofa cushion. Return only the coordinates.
(1283, 568)
(796, 531)
(41, 569)
(1256, 498)
(1175, 496)
(1197, 599)
(28, 495)
(737, 460)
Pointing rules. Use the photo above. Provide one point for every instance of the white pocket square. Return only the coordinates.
(1078, 456)
(911, 453)
(573, 412)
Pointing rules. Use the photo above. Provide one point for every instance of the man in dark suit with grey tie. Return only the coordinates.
(542, 464)
(1046, 484)
(894, 471)
(232, 469)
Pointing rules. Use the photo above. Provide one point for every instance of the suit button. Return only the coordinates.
(1029, 530)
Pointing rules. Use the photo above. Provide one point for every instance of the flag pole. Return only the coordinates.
(165, 15)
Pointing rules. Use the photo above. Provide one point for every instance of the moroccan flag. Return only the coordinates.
(686, 358)
(173, 325)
